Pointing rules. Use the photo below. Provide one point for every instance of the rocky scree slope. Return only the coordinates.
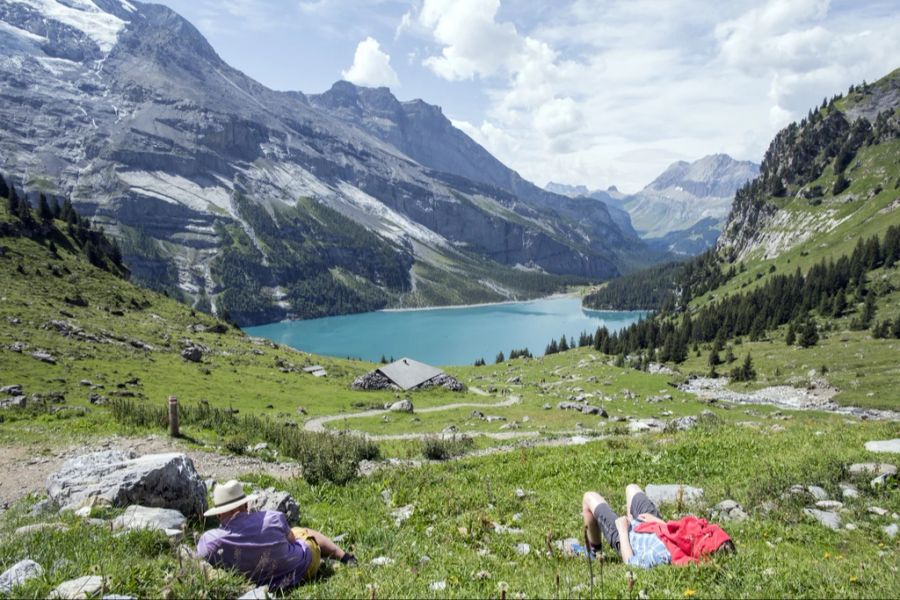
(207, 176)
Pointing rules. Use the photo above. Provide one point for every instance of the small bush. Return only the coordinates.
(438, 448)
(236, 444)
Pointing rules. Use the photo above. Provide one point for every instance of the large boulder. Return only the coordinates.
(673, 493)
(18, 574)
(402, 406)
(272, 499)
(153, 480)
(884, 446)
(82, 587)
(146, 517)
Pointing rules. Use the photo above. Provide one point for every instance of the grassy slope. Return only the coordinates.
(782, 554)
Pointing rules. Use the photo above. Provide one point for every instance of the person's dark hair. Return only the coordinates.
(726, 548)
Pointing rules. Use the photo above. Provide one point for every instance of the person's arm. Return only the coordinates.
(648, 518)
(624, 542)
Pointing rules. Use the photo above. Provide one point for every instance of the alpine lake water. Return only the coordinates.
(446, 336)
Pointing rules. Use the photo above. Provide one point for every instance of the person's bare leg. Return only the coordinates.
(590, 502)
(631, 490)
(329, 548)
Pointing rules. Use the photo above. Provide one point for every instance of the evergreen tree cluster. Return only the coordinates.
(782, 299)
(523, 353)
(102, 251)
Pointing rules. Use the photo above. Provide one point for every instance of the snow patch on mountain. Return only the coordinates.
(85, 16)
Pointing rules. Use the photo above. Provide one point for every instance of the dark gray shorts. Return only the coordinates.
(606, 518)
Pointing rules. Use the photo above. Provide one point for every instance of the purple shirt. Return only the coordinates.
(256, 544)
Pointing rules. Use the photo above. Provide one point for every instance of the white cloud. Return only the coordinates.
(610, 92)
(371, 66)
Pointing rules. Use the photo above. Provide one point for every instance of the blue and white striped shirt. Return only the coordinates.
(649, 551)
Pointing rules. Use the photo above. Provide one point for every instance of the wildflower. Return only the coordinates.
(828, 555)
(840, 557)
(689, 592)
(854, 579)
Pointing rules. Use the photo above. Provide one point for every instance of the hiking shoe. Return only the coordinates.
(349, 560)
(579, 550)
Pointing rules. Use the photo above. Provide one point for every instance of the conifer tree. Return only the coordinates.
(868, 310)
(44, 212)
(4, 188)
(809, 335)
(729, 355)
(714, 358)
(791, 336)
(839, 305)
(500, 358)
(563, 344)
(12, 201)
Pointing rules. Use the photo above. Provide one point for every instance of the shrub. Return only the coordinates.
(443, 448)
(236, 444)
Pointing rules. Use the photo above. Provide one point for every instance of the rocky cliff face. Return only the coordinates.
(126, 108)
(808, 168)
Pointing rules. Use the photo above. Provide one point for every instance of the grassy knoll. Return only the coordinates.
(780, 554)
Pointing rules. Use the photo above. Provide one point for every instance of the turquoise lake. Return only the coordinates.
(446, 336)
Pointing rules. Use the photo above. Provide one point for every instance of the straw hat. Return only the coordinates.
(228, 497)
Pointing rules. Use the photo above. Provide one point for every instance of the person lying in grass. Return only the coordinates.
(643, 539)
(261, 545)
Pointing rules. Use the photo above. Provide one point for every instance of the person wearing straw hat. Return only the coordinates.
(262, 545)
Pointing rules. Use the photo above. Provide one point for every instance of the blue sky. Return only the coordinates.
(590, 92)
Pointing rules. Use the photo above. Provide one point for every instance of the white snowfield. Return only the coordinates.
(85, 16)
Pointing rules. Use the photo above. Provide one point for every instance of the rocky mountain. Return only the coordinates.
(684, 207)
(269, 204)
(835, 174)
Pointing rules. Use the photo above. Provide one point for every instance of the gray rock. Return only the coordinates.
(14, 402)
(18, 574)
(438, 586)
(272, 499)
(884, 446)
(82, 587)
(477, 414)
(41, 507)
(41, 527)
(829, 505)
(404, 406)
(641, 425)
(877, 510)
(683, 423)
(260, 593)
(12, 390)
(872, 468)
(44, 357)
(192, 354)
(817, 492)
(494, 418)
(567, 546)
(523, 549)
(153, 480)
(728, 510)
(891, 530)
(382, 561)
(848, 491)
(402, 514)
(670, 493)
(831, 520)
(157, 519)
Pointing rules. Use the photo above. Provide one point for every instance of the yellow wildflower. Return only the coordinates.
(828, 555)
(689, 592)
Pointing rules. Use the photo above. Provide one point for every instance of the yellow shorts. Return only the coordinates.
(303, 534)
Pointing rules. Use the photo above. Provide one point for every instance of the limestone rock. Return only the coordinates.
(82, 587)
(260, 593)
(404, 406)
(18, 574)
(728, 510)
(137, 517)
(272, 499)
(831, 520)
(876, 469)
(382, 561)
(670, 494)
(568, 546)
(683, 423)
(891, 530)
(40, 527)
(192, 354)
(402, 514)
(153, 480)
(884, 446)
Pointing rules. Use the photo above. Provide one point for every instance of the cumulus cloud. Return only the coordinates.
(371, 66)
(611, 92)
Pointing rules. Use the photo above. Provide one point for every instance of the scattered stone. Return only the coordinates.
(831, 520)
(18, 574)
(872, 468)
(11, 390)
(523, 549)
(44, 357)
(449, 430)
(404, 406)
(848, 491)
(494, 418)
(728, 510)
(547, 407)
(481, 575)
(272, 499)
(260, 593)
(877, 510)
(424, 559)
(42, 506)
(135, 517)
(672, 493)
(641, 425)
(382, 561)
(884, 446)
(83, 587)
(41, 527)
(153, 480)
(683, 423)
(829, 505)
(402, 514)
(498, 528)
(520, 493)
(477, 414)
(891, 530)
(438, 586)
(14, 402)
(511, 425)
(817, 492)
(192, 354)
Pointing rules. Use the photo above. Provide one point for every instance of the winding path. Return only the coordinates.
(317, 424)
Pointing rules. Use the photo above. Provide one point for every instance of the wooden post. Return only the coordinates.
(173, 417)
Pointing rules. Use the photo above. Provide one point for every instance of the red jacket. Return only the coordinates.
(687, 539)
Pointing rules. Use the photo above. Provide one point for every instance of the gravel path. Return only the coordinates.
(318, 424)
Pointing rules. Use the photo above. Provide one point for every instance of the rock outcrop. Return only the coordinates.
(153, 480)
